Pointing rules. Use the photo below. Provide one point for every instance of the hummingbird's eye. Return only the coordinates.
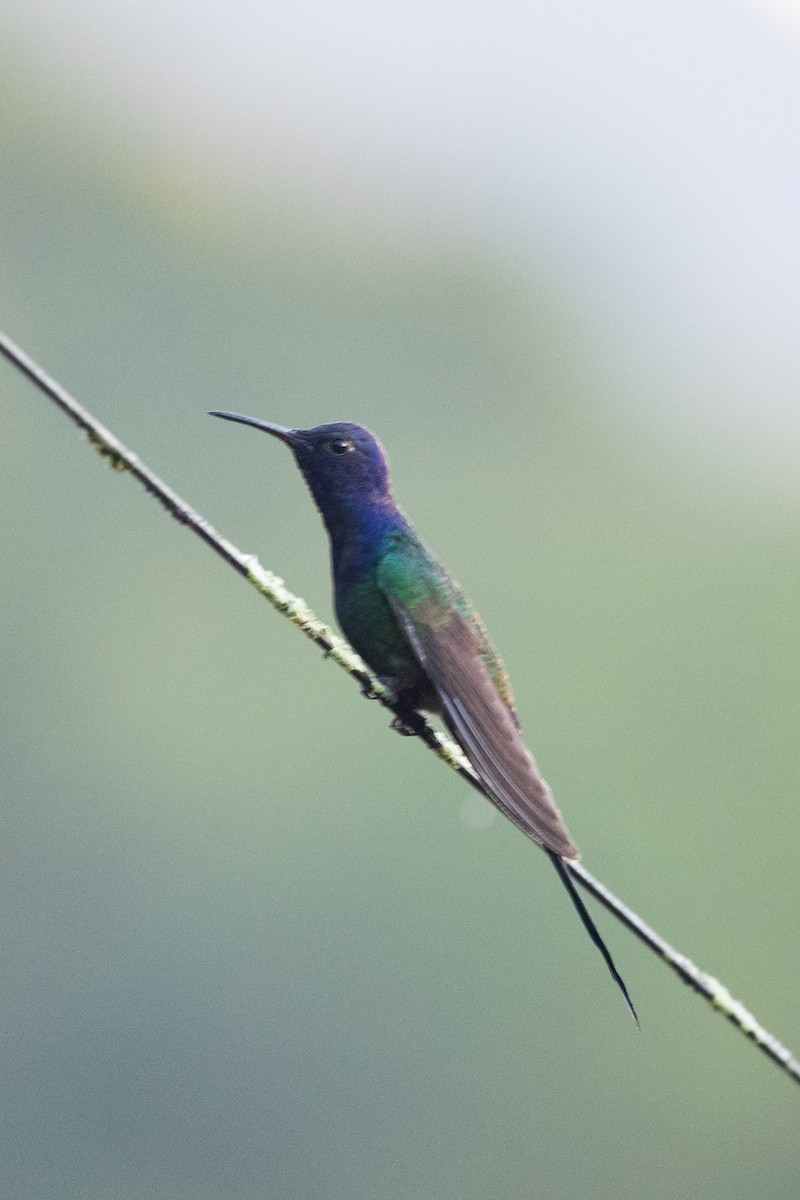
(340, 446)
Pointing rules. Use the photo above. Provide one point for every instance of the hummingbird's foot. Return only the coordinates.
(367, 687)
(408, 719)
(401, 726)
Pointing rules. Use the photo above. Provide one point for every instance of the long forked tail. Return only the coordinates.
(562, 869)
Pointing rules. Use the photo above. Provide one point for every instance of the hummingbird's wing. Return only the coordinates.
(452, 647)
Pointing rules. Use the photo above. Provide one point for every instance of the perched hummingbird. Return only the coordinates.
(411, 622)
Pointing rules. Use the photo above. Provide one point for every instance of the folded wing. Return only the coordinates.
(451, 645)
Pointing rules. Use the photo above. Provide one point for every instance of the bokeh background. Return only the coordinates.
(253, 944)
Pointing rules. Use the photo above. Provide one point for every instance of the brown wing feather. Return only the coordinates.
(485, 727)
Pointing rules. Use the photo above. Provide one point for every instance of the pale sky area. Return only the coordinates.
(650, 153)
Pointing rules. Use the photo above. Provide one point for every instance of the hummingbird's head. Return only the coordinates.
(341, 463)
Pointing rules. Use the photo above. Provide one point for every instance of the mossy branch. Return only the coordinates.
(275, 591)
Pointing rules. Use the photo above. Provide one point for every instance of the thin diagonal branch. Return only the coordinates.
(274, 589)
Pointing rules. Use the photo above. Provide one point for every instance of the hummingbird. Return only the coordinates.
(413, 625)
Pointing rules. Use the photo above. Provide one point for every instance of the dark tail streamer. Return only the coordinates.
(562, 869)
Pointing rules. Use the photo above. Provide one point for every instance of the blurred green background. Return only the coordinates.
(254, 944)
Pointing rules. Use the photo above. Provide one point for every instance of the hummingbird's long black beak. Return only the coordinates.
(290, 436)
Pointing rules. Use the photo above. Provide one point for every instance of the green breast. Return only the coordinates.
(369, 624)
